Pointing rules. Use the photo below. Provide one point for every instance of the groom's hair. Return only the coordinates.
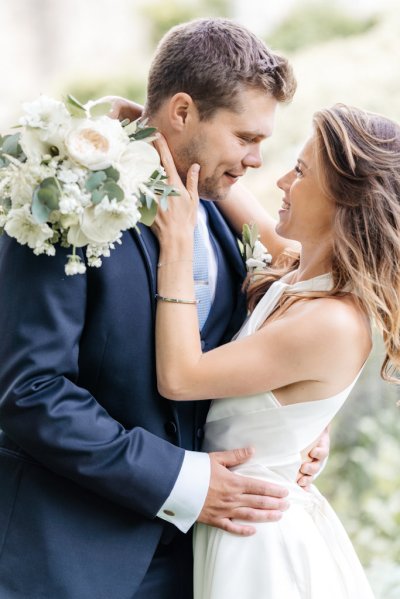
(212, 60)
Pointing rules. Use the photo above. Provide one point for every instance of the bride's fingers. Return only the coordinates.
(167, 161)
(192, 182)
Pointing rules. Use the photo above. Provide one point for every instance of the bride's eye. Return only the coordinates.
(298, 171)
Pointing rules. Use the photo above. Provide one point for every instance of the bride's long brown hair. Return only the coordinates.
(358, 165)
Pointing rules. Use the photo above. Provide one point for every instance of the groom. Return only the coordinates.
(98, 472)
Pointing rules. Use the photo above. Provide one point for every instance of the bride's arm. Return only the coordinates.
(288, 350)
(241, 206)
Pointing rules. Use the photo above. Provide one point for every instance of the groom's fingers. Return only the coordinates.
(232, 497)
(233, 457)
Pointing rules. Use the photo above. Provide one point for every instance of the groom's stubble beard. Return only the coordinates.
(195, 152)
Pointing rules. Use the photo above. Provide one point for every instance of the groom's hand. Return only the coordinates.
(231, 496)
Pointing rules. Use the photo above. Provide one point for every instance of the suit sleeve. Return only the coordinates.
(42, 408)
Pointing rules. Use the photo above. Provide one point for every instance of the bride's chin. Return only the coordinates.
(285, 233)
(281, 229)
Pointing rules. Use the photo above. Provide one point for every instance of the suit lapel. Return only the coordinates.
(149, 248)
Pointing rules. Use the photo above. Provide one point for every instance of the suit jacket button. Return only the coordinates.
(200, 433)
(170, 428)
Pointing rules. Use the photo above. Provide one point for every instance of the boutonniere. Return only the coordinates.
(255, 254)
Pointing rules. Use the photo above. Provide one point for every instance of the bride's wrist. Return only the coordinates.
(176, 249)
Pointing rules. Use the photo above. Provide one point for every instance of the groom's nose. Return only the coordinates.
(253, 158)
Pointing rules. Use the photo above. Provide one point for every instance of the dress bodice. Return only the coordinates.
(279, 433)
(306, 554)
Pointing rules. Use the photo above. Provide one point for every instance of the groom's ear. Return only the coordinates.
(182, 112)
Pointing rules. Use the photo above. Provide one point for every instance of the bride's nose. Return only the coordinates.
(284, 181)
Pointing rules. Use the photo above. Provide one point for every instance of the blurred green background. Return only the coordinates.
(341, 52)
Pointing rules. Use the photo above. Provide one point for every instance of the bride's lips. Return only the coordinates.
(285, 207)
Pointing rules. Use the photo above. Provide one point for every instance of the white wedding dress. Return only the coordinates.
(307, 554)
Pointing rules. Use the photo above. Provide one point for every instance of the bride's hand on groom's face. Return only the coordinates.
(179, 219)
(314, 462)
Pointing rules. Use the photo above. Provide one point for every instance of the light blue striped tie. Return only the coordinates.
(200, 275)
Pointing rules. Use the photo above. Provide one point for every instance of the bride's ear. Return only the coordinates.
(182, 112)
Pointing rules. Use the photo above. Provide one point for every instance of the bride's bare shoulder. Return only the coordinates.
(333, 319)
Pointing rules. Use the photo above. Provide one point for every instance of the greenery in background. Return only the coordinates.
(362, 477)
(163, 15)
(314, 22)
(92, 89)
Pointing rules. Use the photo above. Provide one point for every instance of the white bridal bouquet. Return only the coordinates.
(74, 176)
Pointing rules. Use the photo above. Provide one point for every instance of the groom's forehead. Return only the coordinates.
(253, 125)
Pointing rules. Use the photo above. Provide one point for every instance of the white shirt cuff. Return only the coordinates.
(186, 500)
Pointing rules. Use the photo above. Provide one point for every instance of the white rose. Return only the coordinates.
(139, 160)
(102, 223)
(23, 227)
(96, 144)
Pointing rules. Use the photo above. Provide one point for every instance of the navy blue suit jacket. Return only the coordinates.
(89, 450)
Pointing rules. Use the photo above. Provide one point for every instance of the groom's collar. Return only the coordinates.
(226, 237)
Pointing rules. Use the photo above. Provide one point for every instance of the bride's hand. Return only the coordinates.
(178, 221)
(121, 108)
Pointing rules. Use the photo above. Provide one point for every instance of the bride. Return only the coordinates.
(278, 385)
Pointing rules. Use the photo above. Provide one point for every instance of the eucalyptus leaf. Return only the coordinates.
(143, 133)
(113, 191)
(97, 196)
(45, 199)
(40, 211)
(75, 108)
(100, 109)
(112, 173)
(148, 214)
(11, 145)
(95, 180)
